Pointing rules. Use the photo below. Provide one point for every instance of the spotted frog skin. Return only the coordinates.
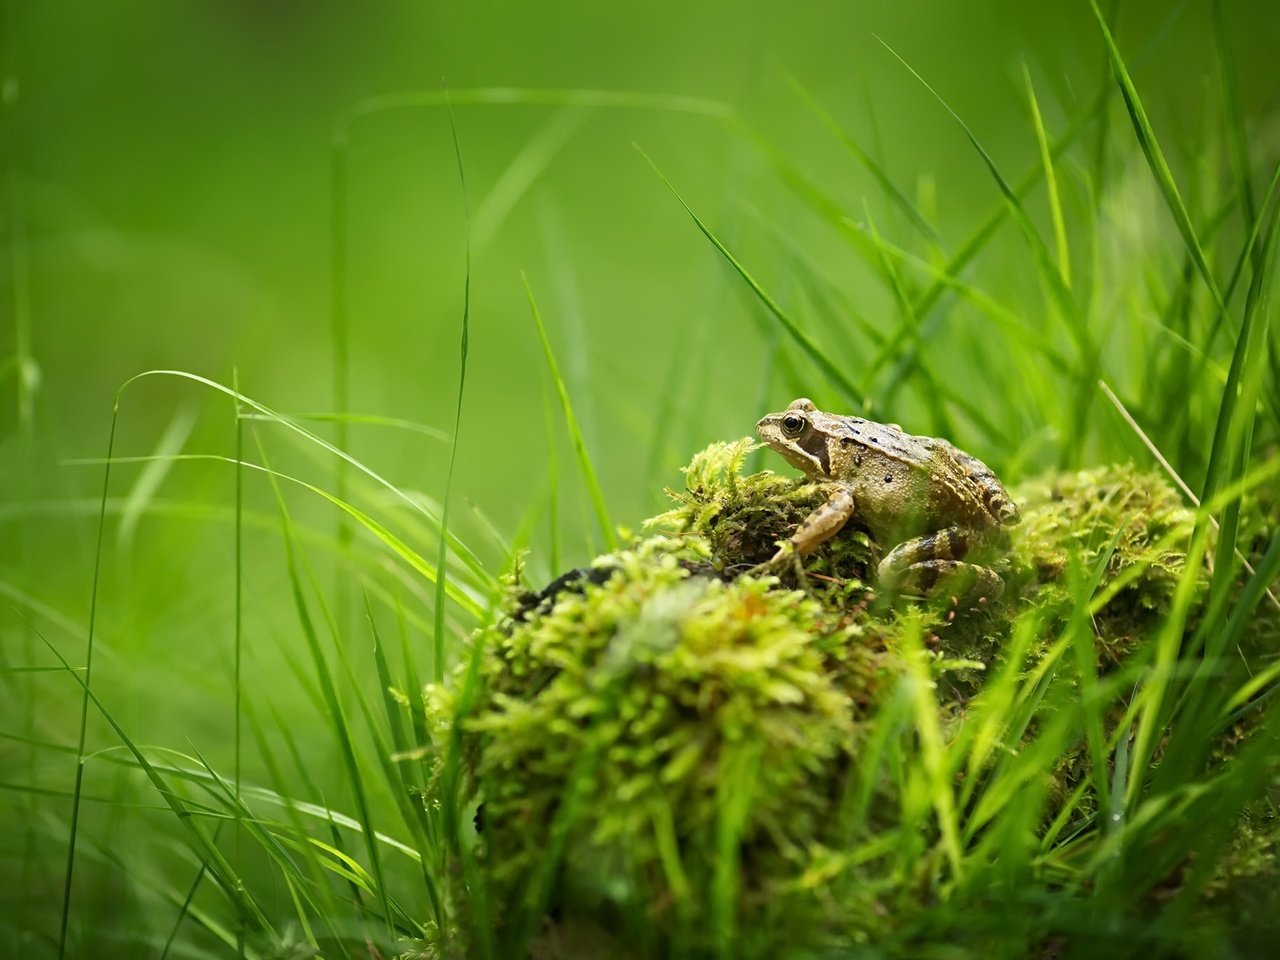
(932, 502)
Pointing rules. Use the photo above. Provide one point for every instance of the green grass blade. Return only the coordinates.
(523, 171)
(930, 387)
(450, 797)
(328, 688)
(406, 789)
(184, 908)
(419, 564)
(1232, 114)
(820, 357)
(328, 907)
(1236, 412)
(438, 658)
(1040, 253)
(1050, 182)
(219, 867)
(365, 419)
(933, 748)
(553, 487)
(150, 479)
(575, 432)
(298, 430)
(1248, 253)
(86, 683)
(1155, 158)
(882, 179)
(237, 636)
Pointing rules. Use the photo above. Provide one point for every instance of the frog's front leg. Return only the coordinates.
(817, 528)
(924, 562)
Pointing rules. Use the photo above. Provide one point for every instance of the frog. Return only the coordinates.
(924, 500)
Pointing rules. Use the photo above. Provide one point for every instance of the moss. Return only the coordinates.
(1132, 521)
(680, 730)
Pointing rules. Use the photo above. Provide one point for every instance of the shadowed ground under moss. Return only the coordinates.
(672, 755)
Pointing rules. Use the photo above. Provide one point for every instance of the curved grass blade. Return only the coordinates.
(462, 598)
(896, 196)
(460, 550)
(369, 419)
(219, 868)
(820, 357)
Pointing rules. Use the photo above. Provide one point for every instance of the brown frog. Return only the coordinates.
(928, 500)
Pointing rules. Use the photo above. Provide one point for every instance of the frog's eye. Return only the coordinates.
(792, 424)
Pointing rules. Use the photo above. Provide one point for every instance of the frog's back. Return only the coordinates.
(940, 485)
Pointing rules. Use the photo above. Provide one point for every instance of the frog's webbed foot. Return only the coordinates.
(954, 577)
(815, 530)
(926, 564)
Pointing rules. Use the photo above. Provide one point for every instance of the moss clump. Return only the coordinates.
(741, 519)
(678, 735)
(1131, 521)
(642, 698)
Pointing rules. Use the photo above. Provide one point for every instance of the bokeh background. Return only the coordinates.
(174, 166)
(168, 204)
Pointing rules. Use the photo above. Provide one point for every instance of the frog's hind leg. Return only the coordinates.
(994, 495)
(955, 577)
(934, 560)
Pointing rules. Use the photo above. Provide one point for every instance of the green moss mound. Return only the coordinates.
(667, 753)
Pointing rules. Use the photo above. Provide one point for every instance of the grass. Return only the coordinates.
(353, 820)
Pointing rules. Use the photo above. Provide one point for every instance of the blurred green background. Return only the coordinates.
(174, 166)
(167, 204)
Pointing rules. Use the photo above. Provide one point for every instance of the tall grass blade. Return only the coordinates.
(930, 386)
(333, 704)
(1232, 114)
(438, 659)
(86, 684)
(523, 171)
(1040, 253)
(1234, 428)
(407, 788)
(1155, 157)
(820, 357)
(184, 908)
(238, 630)
(868, 162)
(1050, 182)
(575, 432)
(328, 906)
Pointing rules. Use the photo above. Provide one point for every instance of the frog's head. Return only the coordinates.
(793, 434)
